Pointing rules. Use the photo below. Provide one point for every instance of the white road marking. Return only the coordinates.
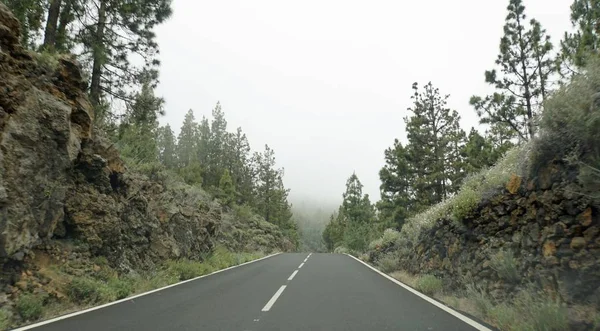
(301, 264)
(430, 300)
(28, 327)
(293, 274)
(271, 302)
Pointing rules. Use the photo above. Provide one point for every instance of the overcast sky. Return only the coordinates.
(326, 83)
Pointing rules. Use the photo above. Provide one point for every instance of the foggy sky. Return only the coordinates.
(326, 83)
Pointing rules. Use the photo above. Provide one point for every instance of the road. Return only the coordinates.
(294, 291)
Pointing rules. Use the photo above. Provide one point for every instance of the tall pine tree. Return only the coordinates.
(522, 82)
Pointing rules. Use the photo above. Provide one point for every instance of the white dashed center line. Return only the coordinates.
(271, 302)
(293, 274)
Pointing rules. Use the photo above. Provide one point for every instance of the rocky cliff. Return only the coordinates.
(539, 232)
(66, 193)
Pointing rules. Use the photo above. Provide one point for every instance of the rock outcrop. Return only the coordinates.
(539, 231)
(61, 181)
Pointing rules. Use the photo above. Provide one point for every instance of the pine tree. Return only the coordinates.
(396, 203)
(585, 41)
(187, 141)
(116, 31)
(477, 152)
(203, 140)
(31, 15)
(227, 192)
(215, 162)
(238, 162)
(522, 82)
(431, 131)
(268, 182)
(455, 164)
(167, 147)
(139, 129)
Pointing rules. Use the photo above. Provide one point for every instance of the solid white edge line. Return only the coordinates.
(271, 302)
(28, 327)
(428, 299)
(301, 264)
(293, 274)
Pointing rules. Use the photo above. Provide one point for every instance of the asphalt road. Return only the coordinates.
(328, 292)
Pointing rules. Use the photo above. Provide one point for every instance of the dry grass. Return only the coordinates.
(405, 277)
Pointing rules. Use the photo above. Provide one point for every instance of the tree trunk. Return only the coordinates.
(526, 82)
(98, 56)
(66, 17)
(51, 25)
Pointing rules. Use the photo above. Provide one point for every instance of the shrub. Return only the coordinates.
(376, 244)
(30, 306)
(464, 203)
(388, 263)
(505, 264)
(221, 258)
(341, 250)
(390, 236)
(184, 269)
(121, 288)
(482, 304)
(4, 319)
(429, 284)
(87, 290)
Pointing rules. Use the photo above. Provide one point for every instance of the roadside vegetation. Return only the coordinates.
(440, 174)
(77, 285)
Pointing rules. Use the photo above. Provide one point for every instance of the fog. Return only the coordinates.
(326, 83)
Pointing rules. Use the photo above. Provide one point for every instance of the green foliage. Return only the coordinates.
(355, 224)
(429, 284)
(530, 311)
(186, 269)
(435, 139)
(166, 147)
(4, 319)
(390, 237)
(505, 264)
(578, 46)
(475, 187)
(226, 189)
(341, 250)
(30, 306)
(191, 173)
(47, 60)
(388, 263)
(31, 15)
(88, 290)
(464, 203)
(522, 81)
(121, 288)
(569, 128)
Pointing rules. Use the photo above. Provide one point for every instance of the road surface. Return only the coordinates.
(284, 292)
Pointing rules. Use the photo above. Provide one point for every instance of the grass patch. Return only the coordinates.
(505, 264)
(85, 290)
(465, 202)
(4, 319)
(388, 263)
(341, 250)
(405, 277)
(429, 284)
(106, 285)
(30, 306)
